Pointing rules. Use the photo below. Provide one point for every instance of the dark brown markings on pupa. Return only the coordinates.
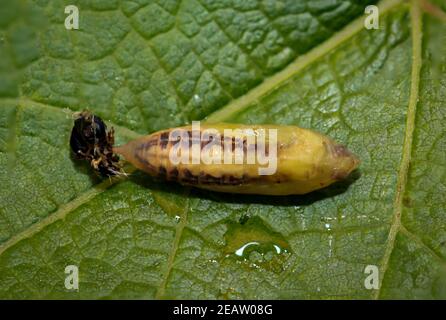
(178, 137)
(149, 144)
(145, 161)
(231, 180)
(144, 147)
(173, 175)
(265, 147)
(182, 138)
(233, 143)
(203, 143)
(210, 138)
(189, 139)
(244, 144)
(164, 139)
(188, 177)
(205, 178)
(208, 179)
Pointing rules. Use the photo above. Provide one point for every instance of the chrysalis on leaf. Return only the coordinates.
(235, 158)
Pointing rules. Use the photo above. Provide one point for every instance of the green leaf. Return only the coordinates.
(146, 65)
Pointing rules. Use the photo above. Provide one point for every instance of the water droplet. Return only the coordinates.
(256, 244)
(196, 100)
(177, 219)
(240, 250)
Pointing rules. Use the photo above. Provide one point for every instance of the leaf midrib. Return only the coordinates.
(416, 24)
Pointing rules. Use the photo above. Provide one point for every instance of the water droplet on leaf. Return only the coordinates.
(256, 244)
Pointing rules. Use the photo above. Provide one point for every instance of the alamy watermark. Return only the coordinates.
(72, 20)
(372, 279)
(234, 146)
(372, 19)
(72, 278)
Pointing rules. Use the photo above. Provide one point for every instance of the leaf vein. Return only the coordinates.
(270, 83)
(416, 18)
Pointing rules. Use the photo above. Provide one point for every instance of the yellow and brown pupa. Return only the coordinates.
(235, 158)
